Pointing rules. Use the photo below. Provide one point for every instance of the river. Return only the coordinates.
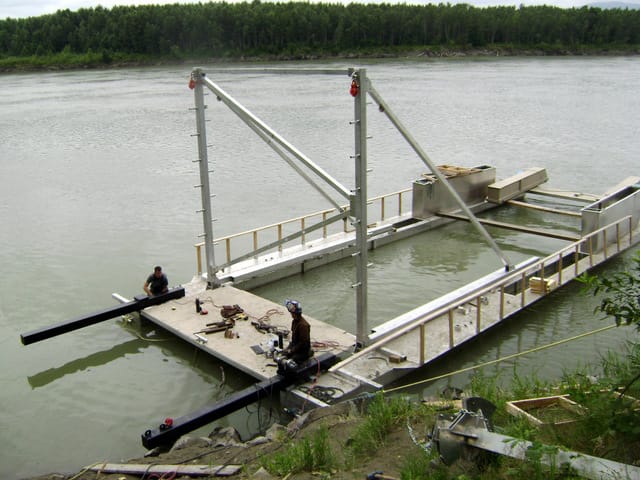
(97, 186)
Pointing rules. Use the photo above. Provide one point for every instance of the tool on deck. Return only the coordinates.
(265, 327)
(218, 326)
(199, 308)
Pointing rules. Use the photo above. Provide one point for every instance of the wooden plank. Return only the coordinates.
(517, 228)
(516, 186)
(191, 470)
(518, 203)
(582, 197)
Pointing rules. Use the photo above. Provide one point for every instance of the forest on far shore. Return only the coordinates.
(306, 30)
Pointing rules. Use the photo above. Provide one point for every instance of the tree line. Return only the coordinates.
(219, 29)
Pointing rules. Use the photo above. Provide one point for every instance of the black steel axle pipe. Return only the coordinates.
(100, 316)
(168, 434)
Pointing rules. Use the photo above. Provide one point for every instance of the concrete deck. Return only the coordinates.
(180, 318)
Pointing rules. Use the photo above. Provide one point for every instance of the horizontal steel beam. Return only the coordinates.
(165, 434)
(100, 316)
(514, 227)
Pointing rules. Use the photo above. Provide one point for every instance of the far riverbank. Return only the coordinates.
(91, 60)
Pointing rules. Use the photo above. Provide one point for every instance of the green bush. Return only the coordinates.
(303, 456)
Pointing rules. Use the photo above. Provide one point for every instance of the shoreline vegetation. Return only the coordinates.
(271, 32)
(391, 434)
(91, 60)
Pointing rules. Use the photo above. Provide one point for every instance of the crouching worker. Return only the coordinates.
(156, 283)
(299, 349)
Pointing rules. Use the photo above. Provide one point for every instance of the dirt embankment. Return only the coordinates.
(223, 447)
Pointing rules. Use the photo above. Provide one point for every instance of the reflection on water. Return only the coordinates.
(95, 359)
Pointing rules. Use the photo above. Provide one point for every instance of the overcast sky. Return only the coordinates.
(32, 8)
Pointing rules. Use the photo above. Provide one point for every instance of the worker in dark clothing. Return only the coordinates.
(299, 349)
(156, 283)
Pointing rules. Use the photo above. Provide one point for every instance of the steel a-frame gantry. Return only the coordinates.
(360, 89)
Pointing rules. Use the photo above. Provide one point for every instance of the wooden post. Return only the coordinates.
(324, 228)
(451, 342)
(199, 258)
(560, 267)
(422, 344)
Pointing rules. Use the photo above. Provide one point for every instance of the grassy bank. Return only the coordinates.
(390, 434)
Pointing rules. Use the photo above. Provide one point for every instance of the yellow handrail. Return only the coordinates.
(301, 219)
(500, 285)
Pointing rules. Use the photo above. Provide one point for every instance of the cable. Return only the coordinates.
(508, 357)
(171, 476)
(324, 345)
(86, 469)
(322, 393)
(310, 389)
(146, 339)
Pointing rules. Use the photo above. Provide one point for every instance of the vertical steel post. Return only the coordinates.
(205, 191)
(359, 204)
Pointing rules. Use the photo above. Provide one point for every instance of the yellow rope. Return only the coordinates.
(508, 357)
(146, 339)
(86, 469)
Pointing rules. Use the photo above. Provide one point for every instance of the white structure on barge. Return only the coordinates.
(370, 358)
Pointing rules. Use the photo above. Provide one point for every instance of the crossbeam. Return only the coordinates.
(514, 227)
(165, 435)
(100, 316)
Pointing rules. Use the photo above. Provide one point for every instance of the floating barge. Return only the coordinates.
(368, 359)
(347, 363)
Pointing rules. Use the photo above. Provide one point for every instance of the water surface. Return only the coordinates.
(97, 186)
